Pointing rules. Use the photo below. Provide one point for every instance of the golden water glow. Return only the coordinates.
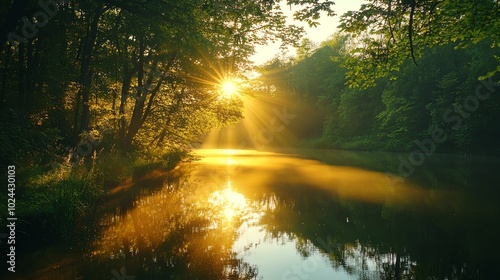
(230, 188)
(255, 171)
(230, 202)
(151, 224)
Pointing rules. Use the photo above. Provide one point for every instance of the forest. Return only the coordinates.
(97, 93)
(441, 96)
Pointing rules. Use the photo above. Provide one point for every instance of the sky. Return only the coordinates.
(327, 27)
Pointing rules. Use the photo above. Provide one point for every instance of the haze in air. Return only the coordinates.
(299, 139)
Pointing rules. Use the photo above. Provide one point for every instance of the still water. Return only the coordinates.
(243, 214)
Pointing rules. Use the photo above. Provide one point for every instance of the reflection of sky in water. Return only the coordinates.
(247, 208)
(259, 175)
(255, 172)
(279, 259)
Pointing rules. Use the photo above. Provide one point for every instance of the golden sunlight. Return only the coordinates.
(229, 88)
(231, 203)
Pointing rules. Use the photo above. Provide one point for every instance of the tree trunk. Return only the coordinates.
(56, 84)
(397, 269)
(140, 98)
(141, 114)
(172, 109)
(126, 83)
(85, 71)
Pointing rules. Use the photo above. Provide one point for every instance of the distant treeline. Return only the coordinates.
(440, 105)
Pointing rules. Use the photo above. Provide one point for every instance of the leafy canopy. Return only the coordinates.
(386, 33)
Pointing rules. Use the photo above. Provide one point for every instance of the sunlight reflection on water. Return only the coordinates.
(244, 214)
(260, 169)
(258, 175)
(239, 212)
(232, 203)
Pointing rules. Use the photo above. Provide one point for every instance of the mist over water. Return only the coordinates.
(345, 220)
(311, 214)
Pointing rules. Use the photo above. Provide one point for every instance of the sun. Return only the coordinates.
(229, 88)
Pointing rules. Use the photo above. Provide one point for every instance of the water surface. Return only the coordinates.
(244, 214)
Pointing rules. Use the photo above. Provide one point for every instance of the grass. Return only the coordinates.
(54, 202)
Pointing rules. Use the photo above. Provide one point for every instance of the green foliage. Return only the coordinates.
(159, 160)
(399, 109)
(148, 71)
(113, 167)
(368, 142)
(24, 142)
(387, 33)
(58, 200)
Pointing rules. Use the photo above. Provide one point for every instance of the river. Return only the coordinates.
(309, 214)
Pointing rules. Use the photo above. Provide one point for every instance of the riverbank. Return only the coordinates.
(55, 203)
(65, 256)
(431, 144)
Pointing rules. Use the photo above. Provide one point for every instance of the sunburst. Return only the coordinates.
(229, 88)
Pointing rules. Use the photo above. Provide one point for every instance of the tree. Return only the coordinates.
(144, 73)
(386, 33)
(401, 109)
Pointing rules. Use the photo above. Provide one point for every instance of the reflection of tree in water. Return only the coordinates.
(176, 234)
(379, 241)
(171, 234)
